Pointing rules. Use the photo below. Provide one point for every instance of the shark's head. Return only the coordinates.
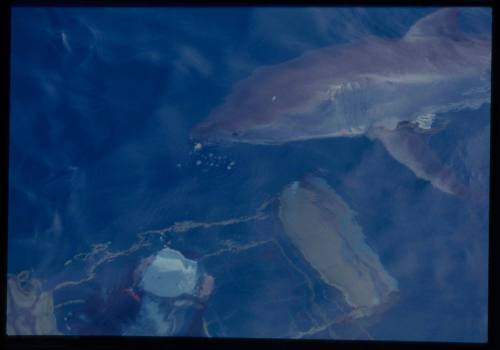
(238, 130)
(229, 120)
(253, 111)
(211, 132)
(229, 123)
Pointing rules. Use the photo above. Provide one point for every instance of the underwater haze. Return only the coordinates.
(287, 173)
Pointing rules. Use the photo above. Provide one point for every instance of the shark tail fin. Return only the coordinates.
(443, 22)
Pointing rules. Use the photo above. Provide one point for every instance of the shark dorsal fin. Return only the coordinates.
(443, 22)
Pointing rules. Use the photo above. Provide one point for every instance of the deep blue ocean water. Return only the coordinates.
(102, 102)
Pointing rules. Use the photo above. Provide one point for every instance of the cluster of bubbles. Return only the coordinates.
(207, 161)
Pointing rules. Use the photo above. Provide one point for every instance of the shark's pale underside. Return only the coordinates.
(384, 89)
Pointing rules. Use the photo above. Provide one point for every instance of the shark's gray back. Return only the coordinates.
(347, 95)
(346, 90)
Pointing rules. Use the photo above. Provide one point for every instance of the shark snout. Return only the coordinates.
(200, 130)
(203, 132)
(211, 133)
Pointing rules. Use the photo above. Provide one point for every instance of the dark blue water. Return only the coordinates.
(102, 101)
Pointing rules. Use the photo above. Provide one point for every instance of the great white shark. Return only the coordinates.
(390, 90)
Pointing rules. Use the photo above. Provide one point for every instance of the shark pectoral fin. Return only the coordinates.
(440, 23)
(411, 150)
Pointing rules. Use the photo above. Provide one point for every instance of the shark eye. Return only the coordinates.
(235, 134)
